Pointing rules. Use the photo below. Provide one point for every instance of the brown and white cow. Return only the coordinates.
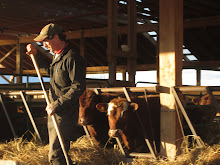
(96, 121)
(203, 111)
(204, 100)
(123, 121)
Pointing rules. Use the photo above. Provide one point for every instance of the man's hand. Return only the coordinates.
(31, 50)
(49, 109)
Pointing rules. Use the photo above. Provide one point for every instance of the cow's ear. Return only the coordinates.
(103, 107)
(196, 100)
(134, 105)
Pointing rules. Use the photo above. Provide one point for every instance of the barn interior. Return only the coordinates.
(112, 36)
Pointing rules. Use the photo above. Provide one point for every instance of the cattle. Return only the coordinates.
(204, 100)
(94, 120)
(202, 111)
(123, 121)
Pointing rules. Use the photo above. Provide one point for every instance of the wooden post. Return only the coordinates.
(170, 67)
(19, 61)
(198, 77)
(157, 58)
(82, 45)
(132, 41)
(112, 40)
(124, 74)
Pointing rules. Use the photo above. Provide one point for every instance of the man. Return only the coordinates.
(67, 83)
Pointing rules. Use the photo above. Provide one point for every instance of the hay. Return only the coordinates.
(191, 154)
(82, 151)
(25, 152)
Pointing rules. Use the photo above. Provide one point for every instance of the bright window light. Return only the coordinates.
(186, 51)
(191, 57)
(147, 9)
(145, 14)
(152, 21)
(189, 77)
(123, 2)
(210, 78)
(146, 78)
(152, 33)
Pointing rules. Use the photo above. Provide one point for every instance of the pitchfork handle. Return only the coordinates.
(52, 116)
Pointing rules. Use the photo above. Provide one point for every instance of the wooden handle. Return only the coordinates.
(52, 116)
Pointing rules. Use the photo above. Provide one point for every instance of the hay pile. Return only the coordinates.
(33, 153)
(208, 155)
(82, 151)
(25, 152)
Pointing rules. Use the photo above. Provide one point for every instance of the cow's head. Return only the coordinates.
(119, 112)
(204, 100)
(87, 107)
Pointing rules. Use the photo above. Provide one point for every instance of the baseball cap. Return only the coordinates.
(49, 31)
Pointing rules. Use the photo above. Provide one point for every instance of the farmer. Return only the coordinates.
(67, 82)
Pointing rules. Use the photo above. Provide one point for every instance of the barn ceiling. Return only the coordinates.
(21, 20)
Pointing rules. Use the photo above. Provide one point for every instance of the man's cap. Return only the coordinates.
(49, 31)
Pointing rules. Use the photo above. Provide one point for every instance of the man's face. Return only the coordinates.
(51, 44)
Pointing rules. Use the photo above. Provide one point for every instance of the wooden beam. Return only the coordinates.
(144, 67)
(112, 39)
(103, 69)
(132, 41)
(19, 61)
(82, 45)
(188, 23)
(9, 65)
(9, 53)
(202, 22)
(6, 79)
(201, 64)
(170, 70)
(124, 74)
(33, 72)
(98, 32)
(7, 42)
